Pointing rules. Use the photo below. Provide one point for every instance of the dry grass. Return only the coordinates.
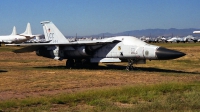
(27, 75)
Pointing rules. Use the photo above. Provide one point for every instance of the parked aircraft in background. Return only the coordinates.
(15, 38)
(197, 32)
(175, 39)
(148, 39)
(37, 39)
(84, 53)
(160, 39)
(190, 38)
(185, 39)
(14, 32)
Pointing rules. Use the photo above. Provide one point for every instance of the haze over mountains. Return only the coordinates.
(152, 32)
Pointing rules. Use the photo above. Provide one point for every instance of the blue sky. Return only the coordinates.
(87, 17)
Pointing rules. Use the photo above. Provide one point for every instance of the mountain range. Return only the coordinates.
(152, 33)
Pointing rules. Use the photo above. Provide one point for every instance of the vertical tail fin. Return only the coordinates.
(14, 32)
(52, 33)
(28, 30)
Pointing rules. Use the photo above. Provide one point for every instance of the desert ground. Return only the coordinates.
(25, 75)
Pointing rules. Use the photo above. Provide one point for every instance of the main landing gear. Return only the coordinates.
(130, 64)
(85, 63)
(70, 63)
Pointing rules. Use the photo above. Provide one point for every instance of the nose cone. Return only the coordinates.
(165, 54)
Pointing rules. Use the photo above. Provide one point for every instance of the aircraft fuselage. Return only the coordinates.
(128, 48)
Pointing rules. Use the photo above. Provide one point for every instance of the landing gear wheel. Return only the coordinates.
(70, 63)
(130, 64)
(78, 63)
(94, 65)
(129, 68)
(86, 63)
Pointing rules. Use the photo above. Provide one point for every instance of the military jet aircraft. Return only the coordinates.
(81, 53)
(15, 38)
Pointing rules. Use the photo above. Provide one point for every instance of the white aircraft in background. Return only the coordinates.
(197, 32)
(175, 39)
(84, 53)
(15, 38)
(190, 38)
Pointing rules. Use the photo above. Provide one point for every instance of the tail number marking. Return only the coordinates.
(51, 36)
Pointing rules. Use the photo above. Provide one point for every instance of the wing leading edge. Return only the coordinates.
(95, 42)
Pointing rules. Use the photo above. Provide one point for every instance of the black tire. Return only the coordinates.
(70, 63)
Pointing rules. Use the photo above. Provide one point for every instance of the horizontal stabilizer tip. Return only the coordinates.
(44, 22)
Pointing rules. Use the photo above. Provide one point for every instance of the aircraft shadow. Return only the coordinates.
(119, 67)
(151, 69)
(3, 71)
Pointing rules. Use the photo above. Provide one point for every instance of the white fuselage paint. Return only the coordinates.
(12, 38)
(129, 47)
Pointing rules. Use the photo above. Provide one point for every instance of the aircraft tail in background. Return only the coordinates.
(14, 32)
(28, 32)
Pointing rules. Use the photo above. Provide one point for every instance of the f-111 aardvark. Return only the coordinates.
(82, 53)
